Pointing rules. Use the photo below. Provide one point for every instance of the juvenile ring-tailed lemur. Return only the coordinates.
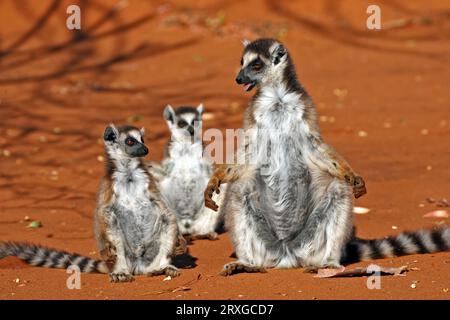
(187, 172)
(136, 233)
(292, 207)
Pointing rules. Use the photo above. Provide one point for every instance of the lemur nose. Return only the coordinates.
(239, 79)
(191, 130)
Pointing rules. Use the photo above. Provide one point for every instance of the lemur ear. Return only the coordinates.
(200, 109)
(142, 131)
(245, 42)
(111, 133)
(169, 114)
(278, 53)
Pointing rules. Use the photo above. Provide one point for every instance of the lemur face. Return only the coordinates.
(125, 141)
(261, 62)
(184, 122)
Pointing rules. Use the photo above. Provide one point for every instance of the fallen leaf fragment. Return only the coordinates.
(184, 287)
(362, 134)
(360, 210)
(443, 203)
(208, 116)
(35, 224)
(437, 214)
(358, 272)
(134, 118)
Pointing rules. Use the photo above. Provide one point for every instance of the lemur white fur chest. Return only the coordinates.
(187, 176)
(130, 185)
(279, 138)
(280, 158)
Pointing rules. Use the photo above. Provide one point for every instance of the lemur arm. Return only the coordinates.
(327, 159)
(223, 173)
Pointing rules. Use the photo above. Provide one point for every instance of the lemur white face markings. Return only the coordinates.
(297, 212)
(136, 233)
(187, 173)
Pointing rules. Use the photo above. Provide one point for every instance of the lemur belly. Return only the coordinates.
(183, 191)
(283, 178)
(138, 218)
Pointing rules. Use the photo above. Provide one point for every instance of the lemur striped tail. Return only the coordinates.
(40, 256)
(415, 242)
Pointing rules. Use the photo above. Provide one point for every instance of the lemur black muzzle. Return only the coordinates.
(242, 78)
(141, 151)
(190, 129)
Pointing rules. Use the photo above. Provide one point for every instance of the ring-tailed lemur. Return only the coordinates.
(292, 207)
(187, 173)
(136, 233)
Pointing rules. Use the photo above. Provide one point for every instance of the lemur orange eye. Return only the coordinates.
(257, 66)
(130, 142)
(182, 123)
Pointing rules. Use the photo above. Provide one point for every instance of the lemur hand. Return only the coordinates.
(213, 186)
(358, 185)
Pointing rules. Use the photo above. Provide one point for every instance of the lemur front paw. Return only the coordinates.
(213, 187)
(120, 277)
(357, 183)
(359, 187)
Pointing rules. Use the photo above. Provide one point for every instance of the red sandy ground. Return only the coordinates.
(57, 94)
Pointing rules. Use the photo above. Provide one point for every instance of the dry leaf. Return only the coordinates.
(443, 203)
(328, 273)
(362, 134)
(35, 224)
(360, 210)
(437, 214)
(184, 287)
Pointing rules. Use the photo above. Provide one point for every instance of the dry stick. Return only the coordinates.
(328, 273)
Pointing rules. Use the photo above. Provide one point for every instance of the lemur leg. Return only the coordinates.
(157, 258)
(255, 246)
(121, 270)
(111, 241)
(327, 229)
(327, 159)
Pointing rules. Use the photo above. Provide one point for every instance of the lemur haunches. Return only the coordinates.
(136, 233)
(187, 172)
(292, 206)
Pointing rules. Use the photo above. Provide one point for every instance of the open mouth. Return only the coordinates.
(249, 86)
